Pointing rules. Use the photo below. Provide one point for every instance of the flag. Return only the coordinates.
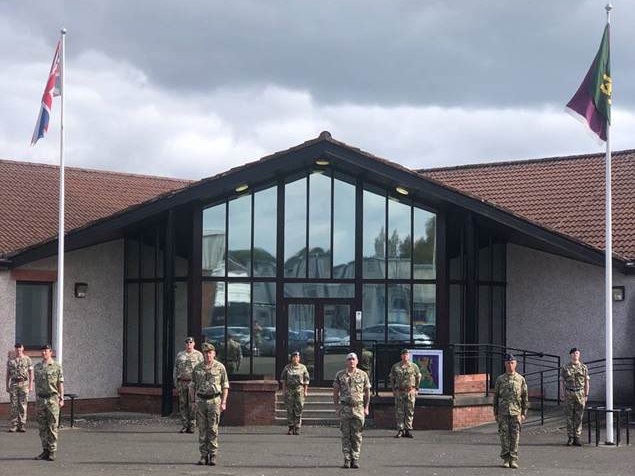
(593, 99)
(51, 90)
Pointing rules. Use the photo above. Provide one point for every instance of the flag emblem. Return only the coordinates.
(51, 90)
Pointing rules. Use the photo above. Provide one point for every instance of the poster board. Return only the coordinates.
(430, 362)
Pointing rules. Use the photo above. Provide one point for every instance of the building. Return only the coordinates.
(318, 248)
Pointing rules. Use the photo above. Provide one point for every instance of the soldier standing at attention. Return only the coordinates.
(575, 388)
(49, 388)
(184, 364)
(511, 403)
(295, 386)
(234, 354)
(351, 395)
(405, 377)
(211, 387)
(19, 384)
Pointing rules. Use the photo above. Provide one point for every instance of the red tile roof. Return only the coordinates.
(564, 194)
(29, 197)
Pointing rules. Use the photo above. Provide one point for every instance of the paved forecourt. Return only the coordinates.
(132, 444)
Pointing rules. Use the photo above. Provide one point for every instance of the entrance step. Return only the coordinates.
(318, 408)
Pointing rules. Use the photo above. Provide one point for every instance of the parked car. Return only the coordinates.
(216, 335)
(396, 333)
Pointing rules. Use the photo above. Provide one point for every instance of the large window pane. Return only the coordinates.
(264, 329)
(33, 313)
(319, 226)
(424, 254)
(213, 311)
(239, 237)
(374, 235)
(374, 312)
(235, 351)
(265, 219)
(399, 239)
(148, 329)
(132, 333)
(214, 241)
(399, 311)
(295, 229)
(319, 290)
(498, 265)
(148, 256)
(158, 363)
(343, 230)
(180, 315)
(425, 311)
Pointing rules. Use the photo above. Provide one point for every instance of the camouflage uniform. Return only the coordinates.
(351, 388)
(48, 378)
(295, 377)
(403, 378)
(18, 374)
(574, 378)
(183, 367)
(366, 363)
(209, 382)
(511, 402)
(234, 355)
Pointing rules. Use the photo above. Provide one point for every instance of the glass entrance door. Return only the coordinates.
(320, 331)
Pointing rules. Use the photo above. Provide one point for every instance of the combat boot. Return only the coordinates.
(399, 434)
(407, 434)
(212, 460)
(21, 429)
(570, 441)
(290, 431)
(296, 430)
(13, 429)
(43, 455)
(577, 442)
(506, 463)
(513, 464)
(51, 456)
(202, 461)
(354, 464)
(347, 464)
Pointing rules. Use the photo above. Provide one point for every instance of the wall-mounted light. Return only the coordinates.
(241, 188)
(322, 162)
(402, 190)
(80, 290)
(618, 293)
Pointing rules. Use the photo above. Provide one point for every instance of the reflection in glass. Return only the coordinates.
(374, 312)
(295, 229)
(374, 227)
(399, 239)
(265, 219)
(235, 350)
(158, 363)
(213, 311)
(214, 241)
(264, 329)
(399, 304)
(319, 290)
(132, 333)
(301, 333)
(239, 237)
(424, 254)
(148, 328)
(180, 316)
(319, 226)
(337, 338)
(343, 230)
(424, 311)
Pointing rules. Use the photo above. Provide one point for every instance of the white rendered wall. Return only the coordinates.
(555, 303)
(93, 326)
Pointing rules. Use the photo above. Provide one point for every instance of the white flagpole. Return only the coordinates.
(608, 269)
(59, 331)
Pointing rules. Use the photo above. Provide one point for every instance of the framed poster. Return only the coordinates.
(430, 362)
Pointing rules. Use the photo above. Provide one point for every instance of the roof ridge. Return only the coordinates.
(525, 161)
(95, 171)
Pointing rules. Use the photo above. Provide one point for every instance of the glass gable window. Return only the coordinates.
(214, 241)
(343, 230)
(374, 235)
(295, 224)
(319, 226)
(239, 237)
(399, 239)
(265, 219)
(424, 244)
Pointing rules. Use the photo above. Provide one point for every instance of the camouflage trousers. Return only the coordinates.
(207, 418)
(351, 426)
(294, 401)
(48, 419)
(18, 396)
(232, 366)
(509, 432)
(404, 410)
(186, 406)
(574, 406)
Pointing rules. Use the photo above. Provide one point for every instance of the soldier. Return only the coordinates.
(49, 388)
(366, 363)
(511, 403)
(184, 364)
(405, 377)
(211, 387)
(295, 386)
(19, 384)
(351, 395)
(575, 388)
(234, 354)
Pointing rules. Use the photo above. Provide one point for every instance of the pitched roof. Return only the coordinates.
(563, 194)
(29, 194)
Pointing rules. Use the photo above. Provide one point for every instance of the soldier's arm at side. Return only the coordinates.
(495, 400)
(366, 399)
(7, 374)
(524, 396)
(587, 384)
(31, 378)
(61, 389)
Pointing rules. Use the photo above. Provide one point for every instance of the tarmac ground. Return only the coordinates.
(135, 444)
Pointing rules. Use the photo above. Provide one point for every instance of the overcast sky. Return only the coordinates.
(192, 88)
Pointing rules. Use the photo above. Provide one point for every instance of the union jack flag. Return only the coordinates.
(52, 89)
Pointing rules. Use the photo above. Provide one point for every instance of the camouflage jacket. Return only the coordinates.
(18, 370)
(574, 376)
(405, 377)
(184, 364)
(295, 376)
(510, 395)
(48, 378)
(351, 386)
(210, 380)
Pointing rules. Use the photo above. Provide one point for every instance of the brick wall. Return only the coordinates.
(251, 403)
(465, 417)
(470, 383)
